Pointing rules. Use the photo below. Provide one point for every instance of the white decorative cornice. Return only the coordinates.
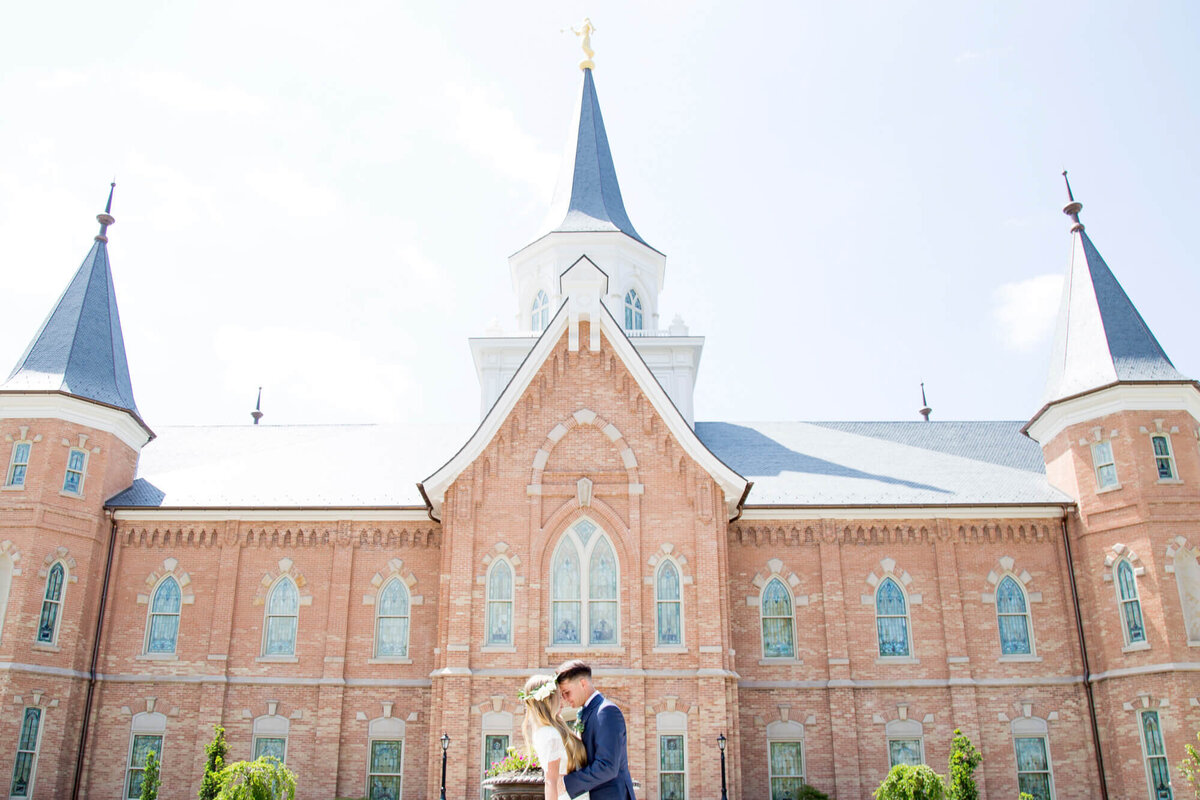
(1056, 417)
(52, 405)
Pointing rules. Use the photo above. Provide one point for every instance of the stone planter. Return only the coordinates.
(517, 785)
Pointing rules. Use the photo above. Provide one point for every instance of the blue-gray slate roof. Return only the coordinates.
(791, 463)
(588, 197)
(1100, 337)
(79, 348)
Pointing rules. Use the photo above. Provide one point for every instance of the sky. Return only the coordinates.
(853, 197)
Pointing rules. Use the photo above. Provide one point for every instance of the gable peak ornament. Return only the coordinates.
(585, 32)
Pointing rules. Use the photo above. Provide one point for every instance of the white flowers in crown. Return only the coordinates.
(541, 693)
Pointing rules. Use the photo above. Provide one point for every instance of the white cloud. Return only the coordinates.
(1024, 311)
(184, 93)
(491, 133)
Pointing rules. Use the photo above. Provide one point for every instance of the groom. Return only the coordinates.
(606, 776)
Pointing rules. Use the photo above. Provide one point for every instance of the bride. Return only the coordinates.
(558, 750)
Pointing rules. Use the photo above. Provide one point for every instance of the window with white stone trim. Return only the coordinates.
(539, 316)
(18, 465)
(25, 762)
(672, 755)
(74, 474)
(633, 311)
(1183, 561)
(162, 621)
(52, 600)
(1158, 769)
(1012, 617)
(7, 570)
(1132, 625)
(1031, 745)
(778, 620)
(385, 759)
(891, 620)
(785, 759)
(392, 611)
(281, 618)
(575, 620)
(1105, 465)
(497, 735)
(905, 742)
(1164, 457)
(271, 736)
(146, 735)
(668, 602)
(500, 603)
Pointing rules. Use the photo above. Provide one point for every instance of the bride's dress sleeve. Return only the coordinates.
(549, 747)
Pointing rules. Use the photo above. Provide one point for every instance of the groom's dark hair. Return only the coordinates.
(570, 670)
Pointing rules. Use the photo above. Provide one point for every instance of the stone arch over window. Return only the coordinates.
(1183, 561)
(286, 568)
(585, 583)
(905, 741)
(59, 571)
(1122, 568)
(1013, 599)
(164, 612)
(667, 578)
(281, 618)
(270, 734)
(147, 731)
(10, 567)
(892, 599)
(777, 600)
(393, 601)
(500, 590)
(586, 416)
(1031, 746)
(786, 757)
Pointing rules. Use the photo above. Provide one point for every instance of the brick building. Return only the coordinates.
(832, 597)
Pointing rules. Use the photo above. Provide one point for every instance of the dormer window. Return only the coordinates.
(1164, 460)
(73, 479)
(633, 311)
(539, 318)
(19, 465)
(1106, 467)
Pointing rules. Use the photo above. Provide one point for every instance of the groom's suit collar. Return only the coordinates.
(592, 704)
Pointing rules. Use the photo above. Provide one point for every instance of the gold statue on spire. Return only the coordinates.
(585, 31)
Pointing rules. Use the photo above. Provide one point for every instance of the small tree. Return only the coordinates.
(216, 750)
(1027, 796)
(264, 779)
(964, 759)
(906, 782)
(807, 792)
(150, 779)
(1190, 767)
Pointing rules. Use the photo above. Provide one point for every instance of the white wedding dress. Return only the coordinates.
(549, 747)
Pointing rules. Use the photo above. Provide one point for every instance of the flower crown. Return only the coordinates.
(541, 693)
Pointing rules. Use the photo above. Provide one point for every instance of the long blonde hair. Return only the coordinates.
(545, 712)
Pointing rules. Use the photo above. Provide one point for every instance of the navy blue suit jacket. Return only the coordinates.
(606, 775)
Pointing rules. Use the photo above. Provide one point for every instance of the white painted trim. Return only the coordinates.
(272, 515)
(122, 424)
(1045, 743)
(1051, 421)
(1048, 511)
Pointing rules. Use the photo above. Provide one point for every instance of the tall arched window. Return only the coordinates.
(778, 630)
(283, 609)
(598, 621)
(1131, 606)
(52, 604)
(391, 620)
(1012, 613)
(162, 628)
(1187, 581)
(891, 619)
(500, 603)
(1158, 768)
(669, 602)
(539, 316)
(633, 311)
(6, 573)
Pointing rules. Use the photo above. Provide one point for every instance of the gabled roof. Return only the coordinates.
(1101, 339)
(732, 484)
(588, 197)
(79, 349)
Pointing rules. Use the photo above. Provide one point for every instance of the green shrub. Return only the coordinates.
(907, 782)
(809, 793)
(263, 779)
(150, 778)
(513, 762)
(964, 759)
(216, 750)
(1190, 767)
(1027, 796)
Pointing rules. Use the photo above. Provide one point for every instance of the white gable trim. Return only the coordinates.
(733, 485)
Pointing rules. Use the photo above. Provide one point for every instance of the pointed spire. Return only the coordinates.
(925, 409)
(1101, 339)
(80, 350)
(588, 197)
(257, 413)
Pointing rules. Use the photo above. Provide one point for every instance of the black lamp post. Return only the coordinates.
(721, 744)
(445, 747)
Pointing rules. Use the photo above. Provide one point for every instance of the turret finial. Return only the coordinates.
(106, 218)
(257, 413)
(585, 31)
(1073, 207)
(925, 409)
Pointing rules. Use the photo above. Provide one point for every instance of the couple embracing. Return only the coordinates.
(593, 764)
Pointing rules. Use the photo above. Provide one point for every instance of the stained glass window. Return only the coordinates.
(1013, 616)
(633, 311)
(540, 315)
(565, 587)
(500, 604)
(1131, 606)
(273, 746)
(391, 620)
(891, 619)
(905, 751)
(1158, 771)
(1033, 767)
(1106, 467)
(51, 604)
(786, 769)
(19, 464)
(495, 747)
(602, 595)
(283, 608)
(163, 629)
(1164, 462)
(672, 778)
(777, 625)
(27, 745)
(387, 769)
(136, 771)
(73, 479)
(670, 627)
(573, 621)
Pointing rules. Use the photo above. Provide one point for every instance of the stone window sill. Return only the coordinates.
(156, 657)
(390, 660)
(1017, 659)
(497, 648)
(897, 660)
(277, 660)
(46, 648)
(1170, 481)
(13, 488)
(1135, 647)
(1114, 488)
(575, 648)
(780, 662)
(669, 648)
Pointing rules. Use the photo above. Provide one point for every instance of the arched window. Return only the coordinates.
(1131, 606)
(391, 620)
(785, 758)
(1158, 768)
(283, 609)
(25, 765)
(778, 631)
(573, 621)
(891, 619)
(633, 311)
(146, 736)
(271, 736)
(162, 629)
(906, 742)
(6, 574)
(669, 601)
(1032, 745)
(500, 603)
(1187, 581)
(1012, 612)
(539, 317)
(52, 604)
